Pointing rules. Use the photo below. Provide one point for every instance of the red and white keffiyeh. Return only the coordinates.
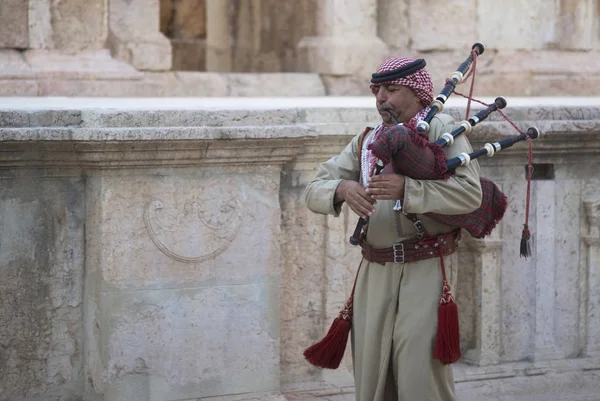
(420, 82)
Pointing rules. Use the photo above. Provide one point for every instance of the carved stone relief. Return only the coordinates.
(202, 230)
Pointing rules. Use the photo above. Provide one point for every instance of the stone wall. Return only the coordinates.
(158, 251)
(170, 47)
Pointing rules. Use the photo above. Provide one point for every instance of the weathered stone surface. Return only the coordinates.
(433, 30)
(189, 54)
(89, 65)
(559, 85)
(393, 24)
(184, 84)
(195, 229)
(347, 37)
(42, 262)
(135, 35)
(153, 54)
(18, 88)
(188, 20)
(40, 24)
(256, 35)
(332, 55)
(13, 66)
(181, 358)
(78, 26)
(531, 19)
(575, 24)
(14, 24)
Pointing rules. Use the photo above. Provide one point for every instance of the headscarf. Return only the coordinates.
(420, 81)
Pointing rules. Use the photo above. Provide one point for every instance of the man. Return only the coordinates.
(395, 306)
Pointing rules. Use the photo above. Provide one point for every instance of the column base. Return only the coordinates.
(479, 358)
(152, 54)
(341, 55)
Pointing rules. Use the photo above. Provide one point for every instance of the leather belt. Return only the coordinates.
(425, 248)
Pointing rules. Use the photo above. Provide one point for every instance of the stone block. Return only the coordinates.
(494, 85)
(565, 85)
(434, 30)
(188, 303)
(78, 26)
(12, 65)
(89, 65)
(347, 85)
(347, 55)
(14, 24)
(153, 55)
(42, 264)
(188, 228)
(261, 85)
(194, 84)
(575, 24)
(135, 35)
(533, 21)
(190, 343)
(40, 26)
(100, 88)
(18, 87)
(393, 23)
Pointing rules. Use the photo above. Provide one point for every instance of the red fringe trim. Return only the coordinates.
(498, 211)
(440, 161)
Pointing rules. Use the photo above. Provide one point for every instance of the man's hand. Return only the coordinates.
(356, 197)
(386, 187)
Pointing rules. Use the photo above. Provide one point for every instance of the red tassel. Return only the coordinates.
(447, 342)
(328, 352)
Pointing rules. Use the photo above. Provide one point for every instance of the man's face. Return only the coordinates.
(399, 99)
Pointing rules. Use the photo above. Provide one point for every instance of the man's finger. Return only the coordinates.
(361, 206)
(360, 210)
(381, 177)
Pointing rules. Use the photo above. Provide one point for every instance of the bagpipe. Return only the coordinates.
(410, 153)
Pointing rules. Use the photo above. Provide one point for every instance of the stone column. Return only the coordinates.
(544, 260)
(590, 296)
(135, 35)
(347, 41)
(219, 38)
(488, 310)
(14, 32)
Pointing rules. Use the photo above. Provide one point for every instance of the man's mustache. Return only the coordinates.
(386, 108)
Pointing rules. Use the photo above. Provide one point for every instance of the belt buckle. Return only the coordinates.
(398, 253)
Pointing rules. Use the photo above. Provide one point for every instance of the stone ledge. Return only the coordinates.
(185, 112)
(84, 132)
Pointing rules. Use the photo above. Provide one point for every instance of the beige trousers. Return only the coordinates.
(393, 332)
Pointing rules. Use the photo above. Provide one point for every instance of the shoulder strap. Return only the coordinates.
(361, 140)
